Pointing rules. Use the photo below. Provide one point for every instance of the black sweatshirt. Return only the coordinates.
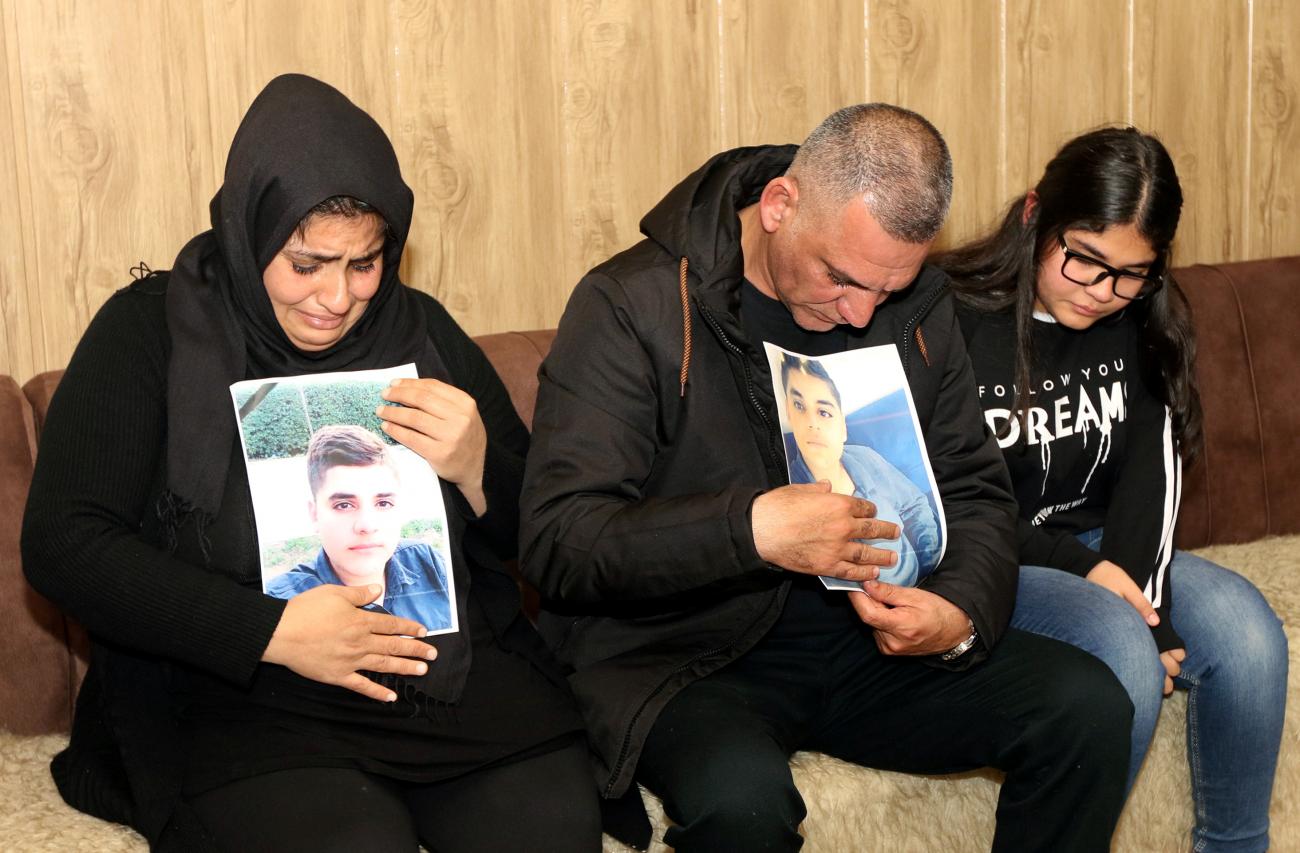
(1097, 450)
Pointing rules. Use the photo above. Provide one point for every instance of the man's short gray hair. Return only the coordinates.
(892, 158)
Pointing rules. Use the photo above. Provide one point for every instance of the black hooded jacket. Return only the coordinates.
(656, 429)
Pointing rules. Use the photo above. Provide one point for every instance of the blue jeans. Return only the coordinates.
(1235, 674)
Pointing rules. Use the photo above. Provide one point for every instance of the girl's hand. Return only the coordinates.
(442, 424)
(324, 635)
(1173, 661)
(1115, 579)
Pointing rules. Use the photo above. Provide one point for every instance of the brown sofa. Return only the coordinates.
(1245, 489)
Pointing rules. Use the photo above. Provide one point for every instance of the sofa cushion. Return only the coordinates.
(38, 390)
(1246, 374)
(36, 680)
(516, 357)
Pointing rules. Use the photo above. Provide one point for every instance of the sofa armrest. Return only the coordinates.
(37, 679)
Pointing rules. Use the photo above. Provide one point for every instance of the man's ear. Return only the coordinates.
(778, 203)
(311, 508)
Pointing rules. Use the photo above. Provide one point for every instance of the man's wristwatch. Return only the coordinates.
(964, 646)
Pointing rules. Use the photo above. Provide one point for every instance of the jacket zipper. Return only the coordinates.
(627, 737)
(916, 318)
(617, 770)
(749, 386)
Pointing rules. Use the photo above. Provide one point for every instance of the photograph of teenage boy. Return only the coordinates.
(815, 414)
(356, 508)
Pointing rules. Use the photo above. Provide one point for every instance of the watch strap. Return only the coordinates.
(962, 647)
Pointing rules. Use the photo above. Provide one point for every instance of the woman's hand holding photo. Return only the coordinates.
(326, 636)
(442, 424)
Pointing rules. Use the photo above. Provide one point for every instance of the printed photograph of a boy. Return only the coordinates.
(814, 412)
(357, 510)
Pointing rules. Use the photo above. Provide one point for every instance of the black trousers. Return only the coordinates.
(544, 803)
(1052, 717)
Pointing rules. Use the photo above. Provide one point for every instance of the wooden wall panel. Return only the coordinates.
(1273, 217)
(18, 345)
(1067, 72)
(536, 133)
(1191, 88)
(106, 118)
(779, 78)
(345, 43)
(943, 60)
(640, 107)
(478, 133)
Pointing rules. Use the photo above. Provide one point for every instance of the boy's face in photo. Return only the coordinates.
(815, 419)
(358, 518)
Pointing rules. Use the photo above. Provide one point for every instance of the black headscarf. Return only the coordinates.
(300, 143)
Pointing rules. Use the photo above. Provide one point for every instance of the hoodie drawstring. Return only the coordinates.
(686, 324)
(920, 344)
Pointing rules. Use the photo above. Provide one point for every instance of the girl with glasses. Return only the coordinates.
(1083, 353)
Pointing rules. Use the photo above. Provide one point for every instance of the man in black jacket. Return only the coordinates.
(677, 565)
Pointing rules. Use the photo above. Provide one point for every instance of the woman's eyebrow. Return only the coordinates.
(1101, 256)
(325, 259)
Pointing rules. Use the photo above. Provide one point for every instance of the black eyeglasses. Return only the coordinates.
(1126, 284)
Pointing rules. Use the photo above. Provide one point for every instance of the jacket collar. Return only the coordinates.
(697, 219)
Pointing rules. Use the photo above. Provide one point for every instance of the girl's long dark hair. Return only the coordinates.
(1112, 176)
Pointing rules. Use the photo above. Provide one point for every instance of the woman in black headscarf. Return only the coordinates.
(213, 715)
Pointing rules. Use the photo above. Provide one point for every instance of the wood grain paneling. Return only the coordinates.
(536, 133)
(345, 43)
(1191, 88)
(1273, 215)
(106, 118)
(1067, 72)
(640, 111)
(779, 81)
(19, 344)
(478, 132)
(943, 60)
